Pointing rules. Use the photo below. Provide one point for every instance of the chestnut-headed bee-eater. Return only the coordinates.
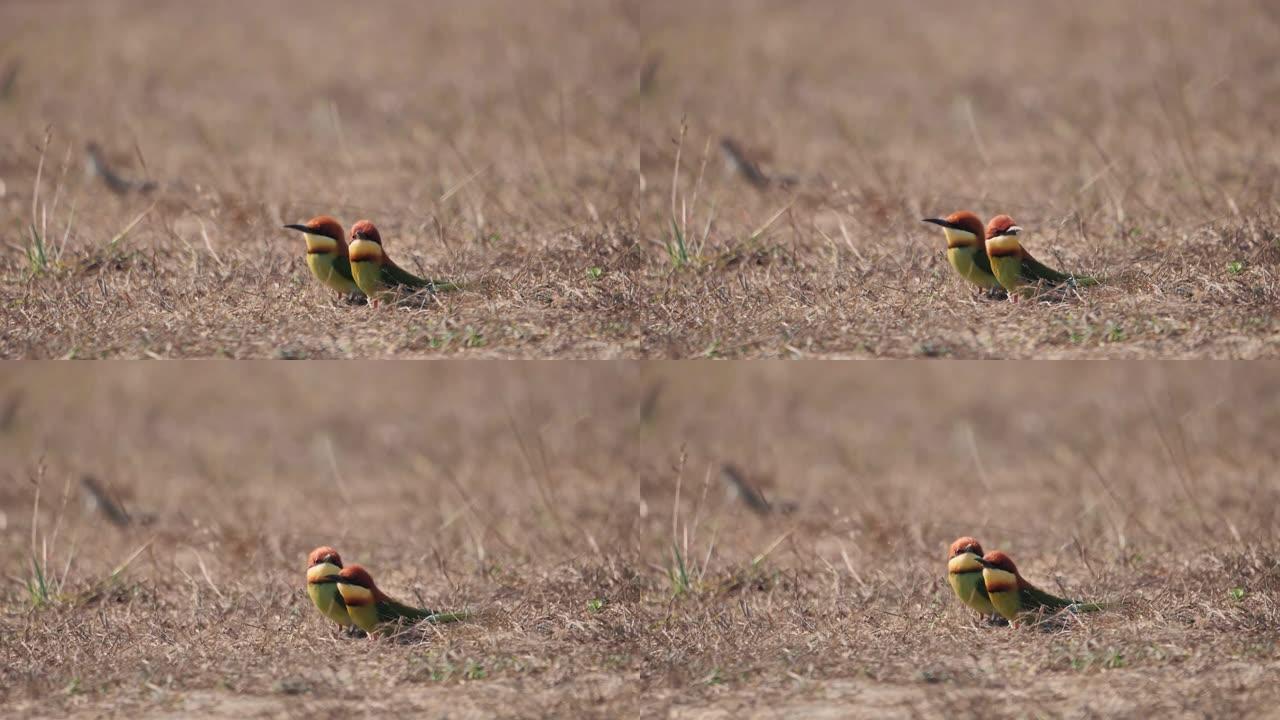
(1012, 595)
(327, 253)
(966, 249)
(375, 272)
(1013, 266)
(964, 573)
(369, 607)
(323, 566)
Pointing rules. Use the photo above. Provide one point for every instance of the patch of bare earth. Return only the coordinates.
(580, 511)
(532, 155)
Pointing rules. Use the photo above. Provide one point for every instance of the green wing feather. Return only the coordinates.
(981, 261)
(393, 274)
(1033, 597)
(1034, 270)
(342, 266)
(390, 610)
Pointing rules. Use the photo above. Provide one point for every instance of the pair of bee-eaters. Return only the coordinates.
(991, 584)
(992, 257)
(361, 268)
(349, 597)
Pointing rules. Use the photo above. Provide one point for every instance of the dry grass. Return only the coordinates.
(550, 497)
(533, 154)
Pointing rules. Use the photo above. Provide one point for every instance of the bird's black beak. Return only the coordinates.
(300, 228)
(940, 222)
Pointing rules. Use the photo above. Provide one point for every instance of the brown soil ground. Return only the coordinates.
(554, 499)
(532, 154)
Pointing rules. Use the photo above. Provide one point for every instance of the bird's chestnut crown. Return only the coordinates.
(999, 561)
(321, 225)
(356, 575)
(966, 545)
(365, 230)
(1002, 225)
(324, 554)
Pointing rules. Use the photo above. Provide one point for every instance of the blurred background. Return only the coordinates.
(1043, 108)
(294, 106)
(534, 462)
(1140, 113)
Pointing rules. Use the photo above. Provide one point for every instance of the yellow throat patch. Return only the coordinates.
(364, 251)
(320, 244)
(959, 238)
(1002, 245)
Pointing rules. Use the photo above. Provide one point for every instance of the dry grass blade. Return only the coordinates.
(463, 183)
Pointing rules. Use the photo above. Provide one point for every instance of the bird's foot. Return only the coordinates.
(994, 620)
